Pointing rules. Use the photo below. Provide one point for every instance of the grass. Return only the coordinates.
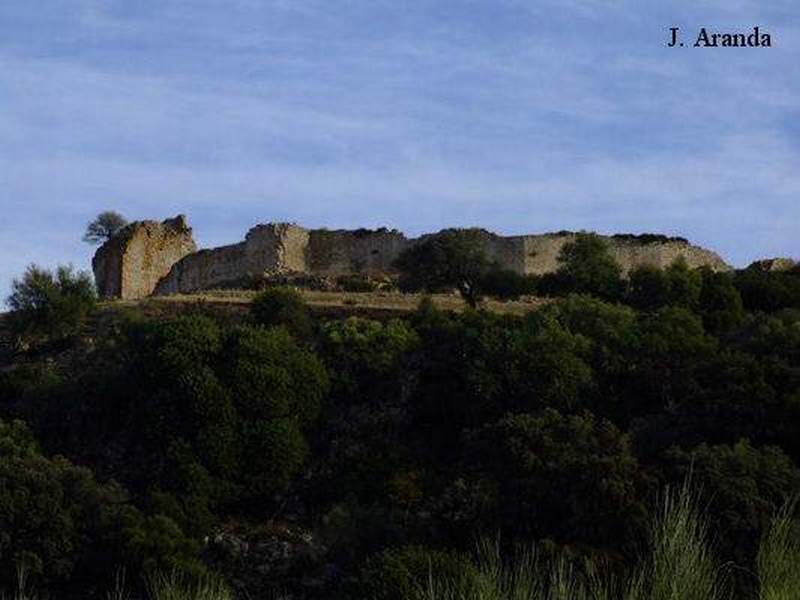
(679, 564)
(175, 586)
(778, 561)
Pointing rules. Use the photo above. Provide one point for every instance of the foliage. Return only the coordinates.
(104, 227)
(453, 258)
(561, 477)
(60, 523)
(175, 585)
(779, 555)
(767, 291)
(365, 357)
(720, 303)
(586, 266)
(679, 564)
(282, 306)
(356, 284)
(401, 573)
(506, 284)
(47, 305)
(651, 288)
(745, 486)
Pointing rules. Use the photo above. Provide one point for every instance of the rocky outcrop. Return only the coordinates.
(149, 257)
(773, 265)
(130, 265)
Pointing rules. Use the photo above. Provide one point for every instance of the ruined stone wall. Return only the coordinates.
(206, 269)
(276, 248)
(161, 258)
(343, 252)
(539, 253)
(130, 265)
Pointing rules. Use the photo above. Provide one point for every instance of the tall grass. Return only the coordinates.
(176, 586)
(679, 565)
(22, 591)
(778, 561)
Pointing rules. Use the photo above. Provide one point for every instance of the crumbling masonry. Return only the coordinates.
(147, 257)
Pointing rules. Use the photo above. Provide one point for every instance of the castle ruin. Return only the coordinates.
(150, 258)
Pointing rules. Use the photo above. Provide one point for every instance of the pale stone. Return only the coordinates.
(149, 257)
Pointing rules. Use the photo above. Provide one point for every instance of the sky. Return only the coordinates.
(519, 116)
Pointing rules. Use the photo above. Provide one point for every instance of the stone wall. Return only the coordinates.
(160, 258)
(539, 253)
(130, 265)
(343, 252)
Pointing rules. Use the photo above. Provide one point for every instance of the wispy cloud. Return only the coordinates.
(513, 115)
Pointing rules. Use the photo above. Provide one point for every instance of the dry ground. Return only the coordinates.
(355, 303)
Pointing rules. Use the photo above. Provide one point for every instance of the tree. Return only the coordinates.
(564, 477)
(451, 258)
(68, 529)
(50, 305)
(651, 288)
(282, 306)
(104, 227)
(586, 266)
(746, 486)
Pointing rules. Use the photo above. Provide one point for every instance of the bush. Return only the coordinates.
(282, 306)
(50, 306)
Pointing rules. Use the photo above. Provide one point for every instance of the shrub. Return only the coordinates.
(47, 305)
(282, 306)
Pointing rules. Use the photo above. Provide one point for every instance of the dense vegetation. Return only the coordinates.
(356, 458)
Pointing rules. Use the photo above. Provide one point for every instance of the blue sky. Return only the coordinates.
(515, 115)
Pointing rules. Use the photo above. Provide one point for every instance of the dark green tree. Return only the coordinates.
(563, 477)
(586, 266)
(104, 227)
(453, 258)
(651, 288)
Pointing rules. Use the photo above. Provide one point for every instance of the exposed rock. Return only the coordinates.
(773, 265)
(131, 264)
